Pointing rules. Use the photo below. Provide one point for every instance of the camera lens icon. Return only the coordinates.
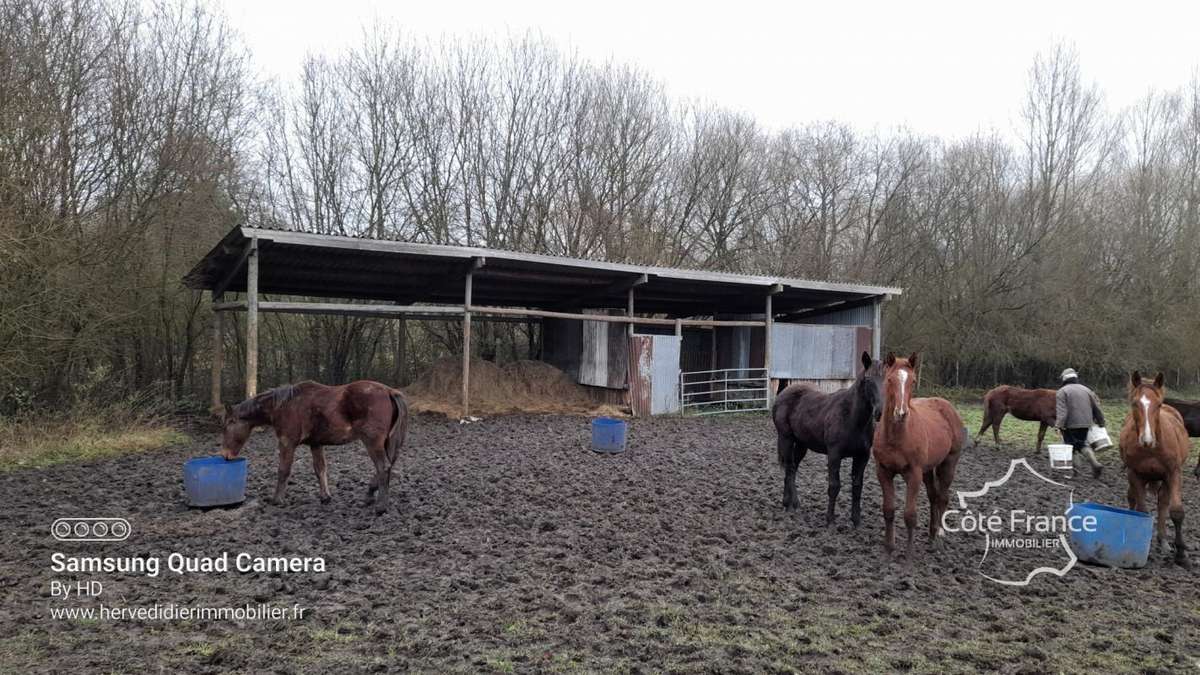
(90, 529)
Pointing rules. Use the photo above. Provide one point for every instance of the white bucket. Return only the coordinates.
(1098, 438)
(1061, 456)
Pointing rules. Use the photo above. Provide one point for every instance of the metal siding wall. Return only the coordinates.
(855, 316)
(808, 352)
(664, 375)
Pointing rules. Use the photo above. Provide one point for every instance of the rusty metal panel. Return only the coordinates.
(641, 348)
(664, 375)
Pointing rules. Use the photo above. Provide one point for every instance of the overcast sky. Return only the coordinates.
(945, 68)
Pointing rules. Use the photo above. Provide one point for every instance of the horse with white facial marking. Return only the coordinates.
(1154, 446)
(920, 439)
(316, 415)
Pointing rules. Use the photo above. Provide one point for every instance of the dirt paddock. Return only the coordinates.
(510, 547)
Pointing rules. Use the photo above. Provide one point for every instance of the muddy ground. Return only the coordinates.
(513, 548)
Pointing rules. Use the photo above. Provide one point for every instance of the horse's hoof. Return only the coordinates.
(1182, 561)
(326, 499)
(1097, 471)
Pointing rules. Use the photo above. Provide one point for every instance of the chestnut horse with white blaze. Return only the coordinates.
(316, 415)
(1154, 446)
(920, 439)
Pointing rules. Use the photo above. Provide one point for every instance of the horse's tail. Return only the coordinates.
(395, 438)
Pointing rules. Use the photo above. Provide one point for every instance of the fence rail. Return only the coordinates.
(711, 392)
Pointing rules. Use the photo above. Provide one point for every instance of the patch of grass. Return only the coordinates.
(341, 632)
(202, 649)
(21, 651)
(85, 434)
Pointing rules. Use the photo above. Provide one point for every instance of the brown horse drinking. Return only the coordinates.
(317, 415)
(920, 439)
(1031, 405)
(1154, 447)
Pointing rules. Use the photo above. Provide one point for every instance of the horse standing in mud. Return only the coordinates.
(1190, 410)
(837, 425)
(1031, 405)
(317, 415)
(919, 439)
(1154, 447)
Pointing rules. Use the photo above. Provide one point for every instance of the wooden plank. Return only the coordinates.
(252, 320)
(513, 311)
(353, 309)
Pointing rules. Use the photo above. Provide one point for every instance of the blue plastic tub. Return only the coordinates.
(215, 481)
(608, 434)
(1122, 537)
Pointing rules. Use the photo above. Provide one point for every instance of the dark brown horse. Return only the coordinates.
(1154, 447)
(317, 415)
(1031, 405)
(837, 425)
(1190, 410)
(920, 439)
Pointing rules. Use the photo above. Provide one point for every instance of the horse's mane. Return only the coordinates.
(265, 402)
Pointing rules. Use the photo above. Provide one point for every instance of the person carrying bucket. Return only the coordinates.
(1076, 409)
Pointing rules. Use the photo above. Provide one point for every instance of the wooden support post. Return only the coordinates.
(401, 351)
(252, 320)
(466, 349)
(877, 330)
(466, 331)
(629, 313)
(766, 352)
(218, 357)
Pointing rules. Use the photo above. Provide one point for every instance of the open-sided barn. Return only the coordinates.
(655, 338)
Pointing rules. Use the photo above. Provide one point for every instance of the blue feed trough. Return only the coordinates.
(215, 481)
(608, 434)
(1121, 537)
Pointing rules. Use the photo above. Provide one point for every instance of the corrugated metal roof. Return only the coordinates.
(307, 264)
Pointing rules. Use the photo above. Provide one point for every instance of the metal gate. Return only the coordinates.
(709, 392)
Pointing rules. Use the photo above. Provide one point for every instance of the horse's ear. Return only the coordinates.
(226, 413)
(1159, 381)
(1135, 378)
(866, 361)
(912, 360)
(890, 359)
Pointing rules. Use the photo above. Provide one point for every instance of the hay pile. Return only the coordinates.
(520, 386)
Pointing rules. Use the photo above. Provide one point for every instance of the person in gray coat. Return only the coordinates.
(1076, 409)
